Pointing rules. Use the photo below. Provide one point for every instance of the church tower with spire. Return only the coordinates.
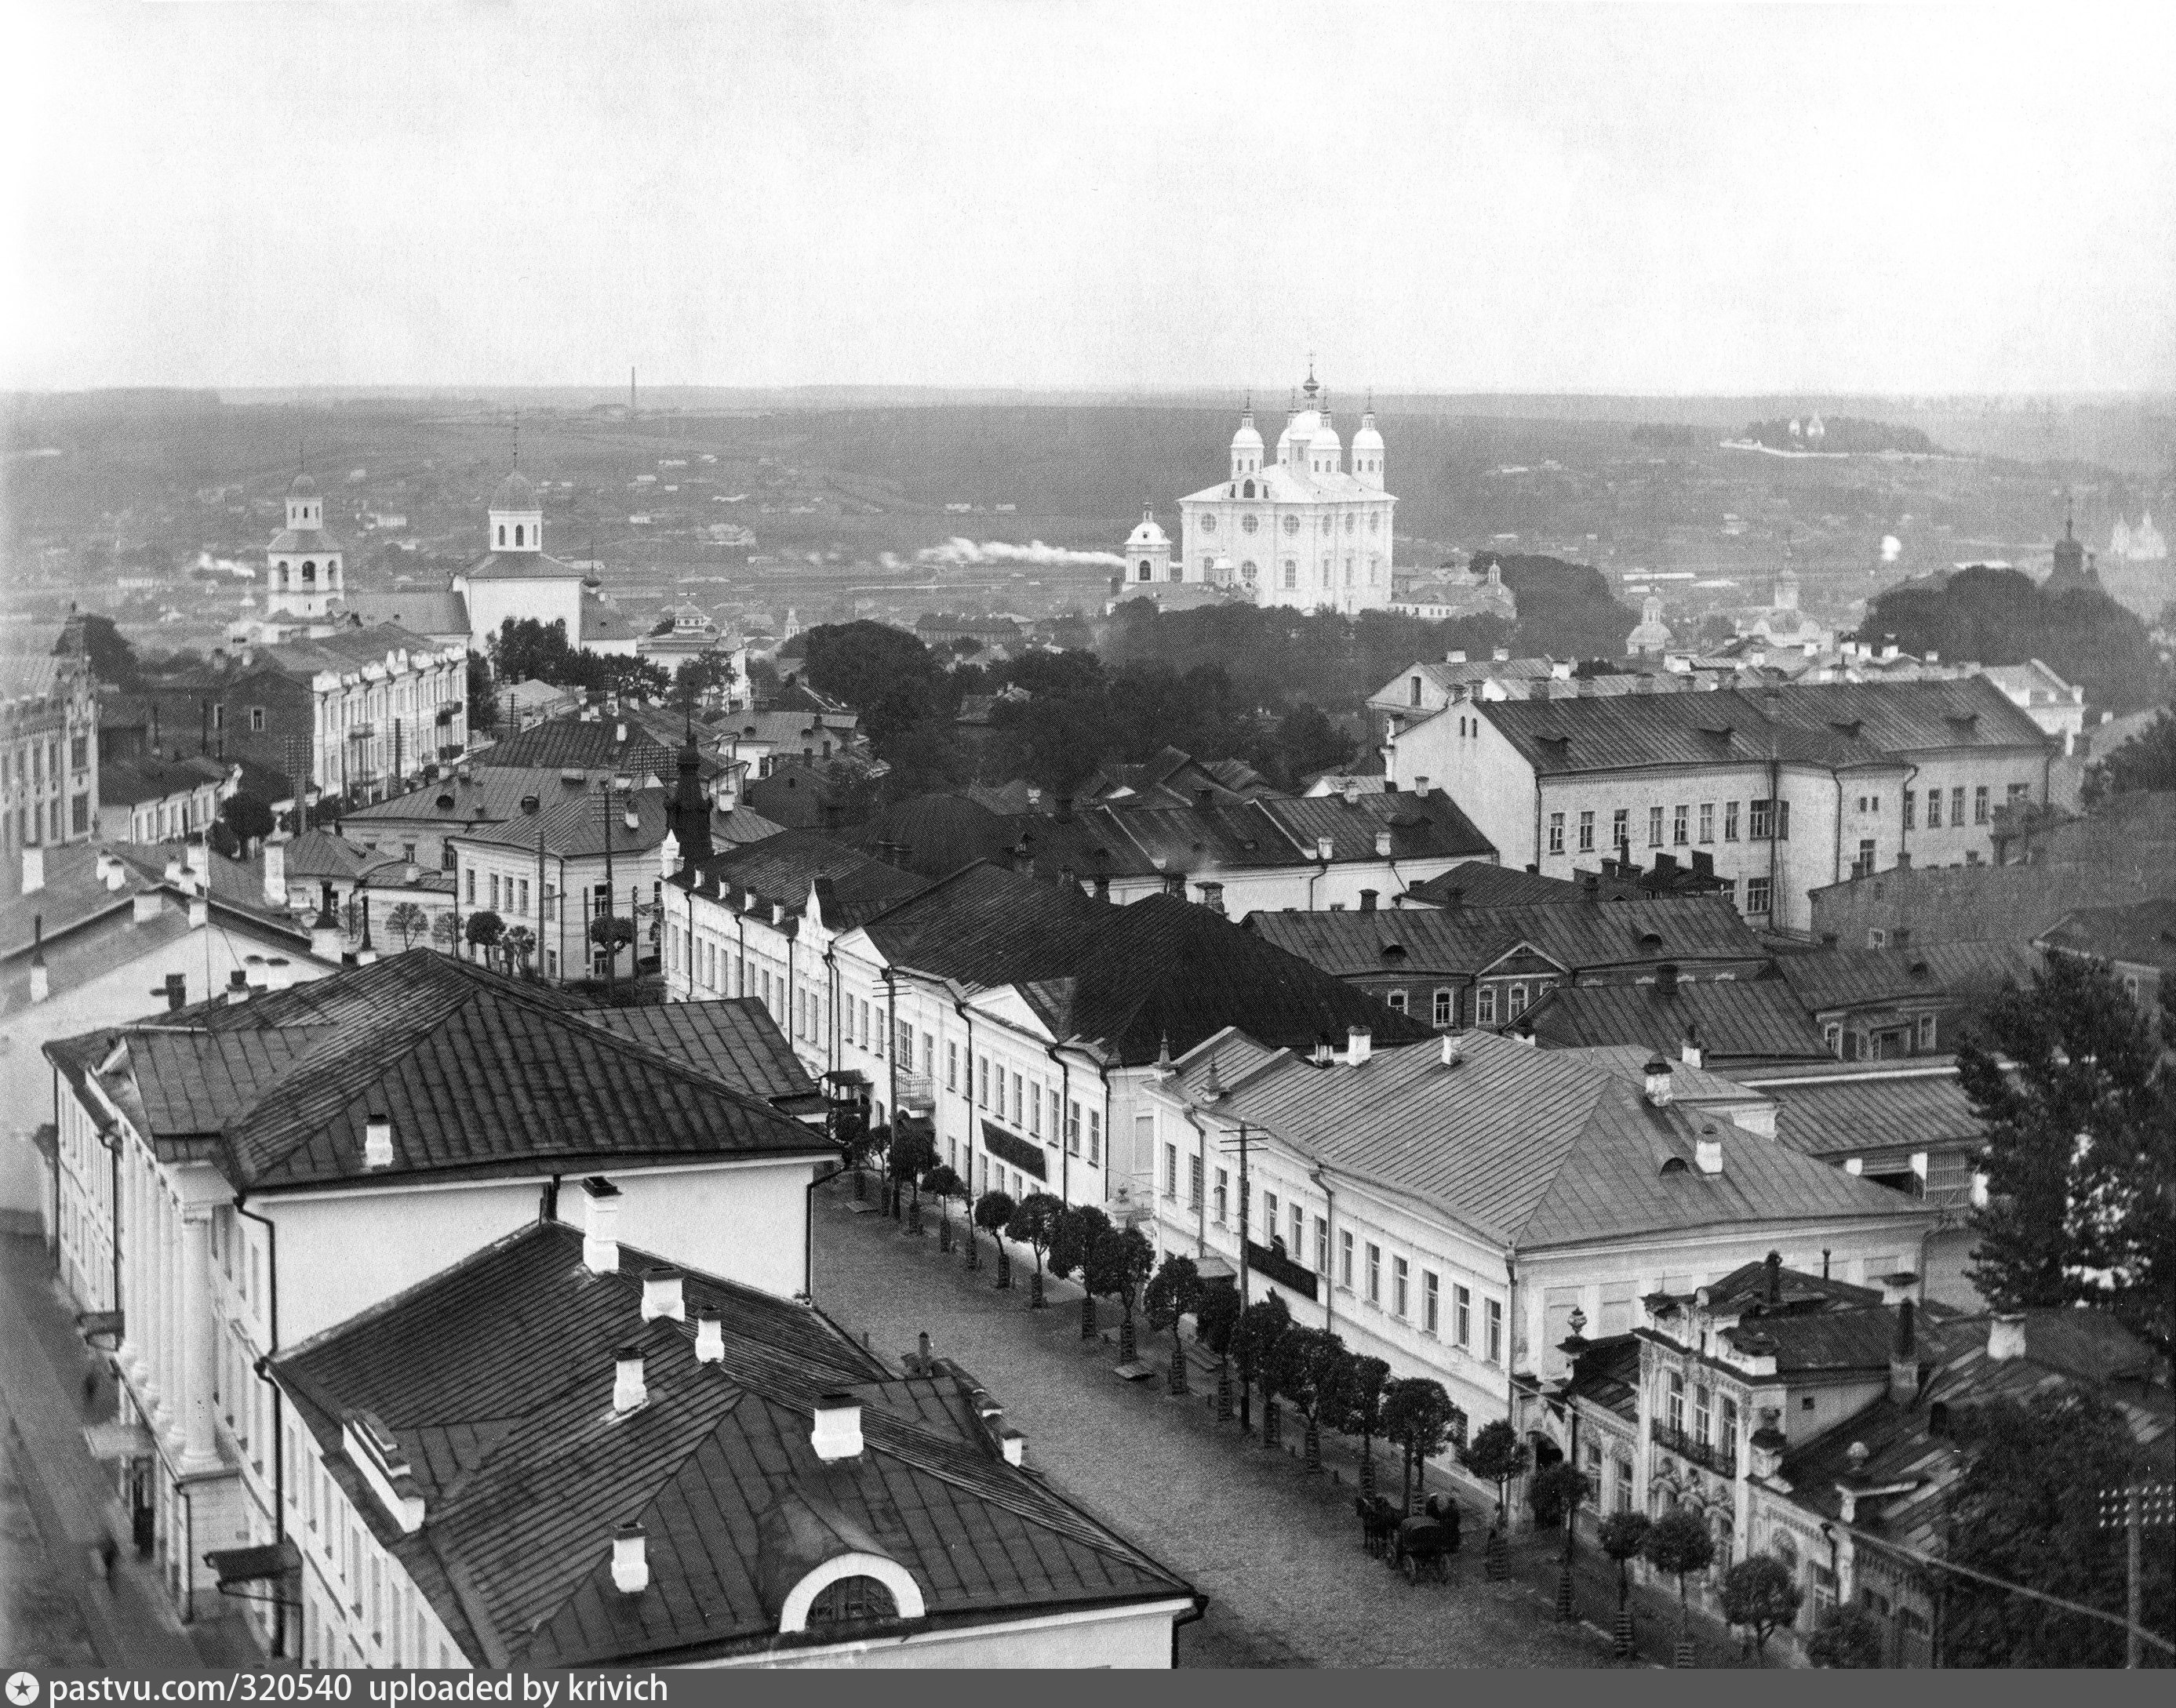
(303, 574)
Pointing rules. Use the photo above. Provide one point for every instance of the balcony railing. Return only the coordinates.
(916, 1091)
(1271, 1261)
(1717, 1457)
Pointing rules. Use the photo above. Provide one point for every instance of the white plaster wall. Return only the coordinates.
(746, 1223)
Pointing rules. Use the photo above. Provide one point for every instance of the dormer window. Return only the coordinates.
(501, 534)
(850, 1599)
(517, 533)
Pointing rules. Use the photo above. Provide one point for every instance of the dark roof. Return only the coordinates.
(1465, 940)
(1912, 717)
(650, 746)
(520, 565)
(1848, 1117)
(1628, 731)
(319, 854)
(575, 823)
(1738, 1020)
(1484, 883)
(493, 1376)
(1607, 1374)
(1832, 978)
(2143, 934)
(345, 650)
(984, 926)
(488, 794)
(733, 1039)
(422, 611)
(782, 868)
(933, 834)
(126, 782)
(479, 1074)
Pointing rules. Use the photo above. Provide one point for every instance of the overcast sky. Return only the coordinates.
(1734, 198)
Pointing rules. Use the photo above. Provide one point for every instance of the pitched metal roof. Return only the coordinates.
(1846, 1117)
(1738, 1020)
(781, 870)
(1485, 884)
(1466, 939)
(1920, 717)
(478, 1075)
(488, 794)
(494, 1378)
(1837, 978)
(420, 611)
(575, 823)
(1540, 1148)
(733, 1039)
(2141, 933)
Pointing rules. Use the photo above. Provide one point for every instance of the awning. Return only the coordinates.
(109, 1442)
(272, 1560)
(93, 1323)
(1212, 1268)
(1008, 1147)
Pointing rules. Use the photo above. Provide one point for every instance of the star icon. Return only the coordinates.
(22, 1689)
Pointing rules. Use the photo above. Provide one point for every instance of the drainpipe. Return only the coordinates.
(1065, 1097)
(740, 961)
(831, 990)
(1200, 1210)
(1775, 828)
(1537, 820)
(1329, 1235)
(1103, 1071)
(278, 1421)
(967, 1094)
(1903, 830)
(891, 1052)
(111, 1137)
(1836, 859)
(808, 1231)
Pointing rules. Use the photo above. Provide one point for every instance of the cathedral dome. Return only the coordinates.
(1326, 441)
(1247, 439)
(1368, 439)
(1147, 533)
(302, 486)
(515, 492)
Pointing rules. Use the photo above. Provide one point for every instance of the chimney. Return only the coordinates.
(324, 930)
(1900, 1288)
(1658, 1081)
(34, 870)
(1421, 787)
(1382, 844)
(1324, 849)
(837, 1431)
(1591, 883)
(111, 872)
(1202, 797)
(1904, 1359)
(1666, 978)
(175, 990)
(710, 1336)
(199, 912)
(1212, 897)
(1771, 1290)
(1452, 1054)
(628, 1388)
(275, 870)
(1352, 791)
(1368, 898)
(1502, 654)
(1014, 1445)
(630, 1564)
(1324, 1052)
(662, 1295)
(237, 986)
(600, 1225)
(1689, 1052)
(377, 1143)
(1707, 1149)
(198, 855)
(2006, 1337)
(146, 905)
(1456, 655)
(1453, 896)
(1359, 1044)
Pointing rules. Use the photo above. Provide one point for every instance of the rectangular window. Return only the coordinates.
(1707, 821)
(905, 1046)
(1072, 1140)
(1957, 807)
(1926, 1032)
(1730, 820)
(1321, 1246)
(1494, 1316)
(1485, 1004)
(1756, 895)
(1654, 827)
(1395, 1001)
(1763, 821)
(1782, 820)
(1170, 1170)
(1862, 867)
(1620, 827)
(928, 1053)
(982, 1082)
(1703, 1410)
(1556, 832)
(1933, 809)
(1269, 1215)
(1728, 1439)
(1673, 1402)
(257, 720)
(1832, 1037)
(1442, 1010)
(1979, 805)
(1430, 1300)
(2019, 793)
(1095, 1136)
(521, 904)
(1517, 1005)
(1299, 1233)
(1223, 1196)
(1034, 1119)
(1374, 1273)
(494, 893)
(1680, 825)
(1398, 1279)
(1462, 1316)
(1345, 1260)
(951, 1065)
(1911, 809)
(1587, 833)
(1016, 1099)
(1194, 1183)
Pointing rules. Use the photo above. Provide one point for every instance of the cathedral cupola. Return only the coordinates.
(1148, 550)
(1246, 444)
(1368, 450)
(1326, 450)
(516, 516)
(305, 508)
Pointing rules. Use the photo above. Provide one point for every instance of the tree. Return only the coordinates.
(445, 931)
(249, 818)
(1262, 1324)
(408, 922)
(483, 701)
(701, 677)
(1849, 1637)
(483, 929)
(2027, 1511)
(517, 943)
(2146, 760)
(944, 1183)
(1307, 1366)
(1554, 1494)
(1358, 1409)
(1118, 1265)
(1496, 1455)
(1034, 1221)
(1679, 1543)
(1070, 1242)
(113, 659)
(1174, 1291)
(1416, 1414)
(913, 1154)
(992, 1211)
(1759, 1594)
(1624, 1538)
(2080, 1155)
(1216, 1326)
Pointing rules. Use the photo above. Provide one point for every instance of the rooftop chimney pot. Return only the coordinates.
(629, 1390)
(837, 1433)
(376, 1140)
(710, 1338)
(630, 1560)
(600, 1225)
(34, 869)
(1707, 1151)
(1658, 1081)
(1359, 1044)
(662, 1295)
(2006, 1337)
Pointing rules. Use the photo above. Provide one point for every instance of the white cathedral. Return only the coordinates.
(1309, 530)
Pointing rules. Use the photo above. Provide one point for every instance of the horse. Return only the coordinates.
(1379, 1521)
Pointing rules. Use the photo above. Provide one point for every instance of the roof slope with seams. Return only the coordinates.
(1628, 731)
(479, 1075)
(1540, 1148)
(1848, 1117)
(734, 1040)
(1484, 883)
(1912, 717)
(1829, 978)
(2142, 933)
(495, 1378)
(1732, 1020)
(783, 869)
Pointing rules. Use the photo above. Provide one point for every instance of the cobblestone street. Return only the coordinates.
(1276, 1550)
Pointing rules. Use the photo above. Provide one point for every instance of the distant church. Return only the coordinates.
(2074, 566)
(1311, 529)
(2141, 545)
(303, 575)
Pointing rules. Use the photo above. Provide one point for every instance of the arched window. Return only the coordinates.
(1147, 572)
(1248, 571)
(309, 574)
(851, 1599)
(501, 534)
(517, 533)
(1292, 572)
(1247, 490)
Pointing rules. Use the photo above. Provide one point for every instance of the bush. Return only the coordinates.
(1761, 1594)
(1851, 1637)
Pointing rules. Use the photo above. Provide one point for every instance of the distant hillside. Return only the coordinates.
(1564, 609)
(1840, 433)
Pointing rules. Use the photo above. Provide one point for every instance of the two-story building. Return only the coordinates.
(2136, 942)
(665, 1467)
(282, 1161)
(1459, 966)
(1448, 1206)
(49, 757)
(150, 800)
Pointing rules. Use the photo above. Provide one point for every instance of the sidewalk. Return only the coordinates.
(131, 1624)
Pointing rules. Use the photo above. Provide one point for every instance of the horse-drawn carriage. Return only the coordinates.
(1420, 1545)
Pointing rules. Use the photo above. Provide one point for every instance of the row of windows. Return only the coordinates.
(1764, 819)
(2019, 793)
(38, 762)
(1327, 524)
(988, 1088)
(1513, 998)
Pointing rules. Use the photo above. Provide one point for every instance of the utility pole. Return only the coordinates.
(612, 957)
(2138, 1507)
